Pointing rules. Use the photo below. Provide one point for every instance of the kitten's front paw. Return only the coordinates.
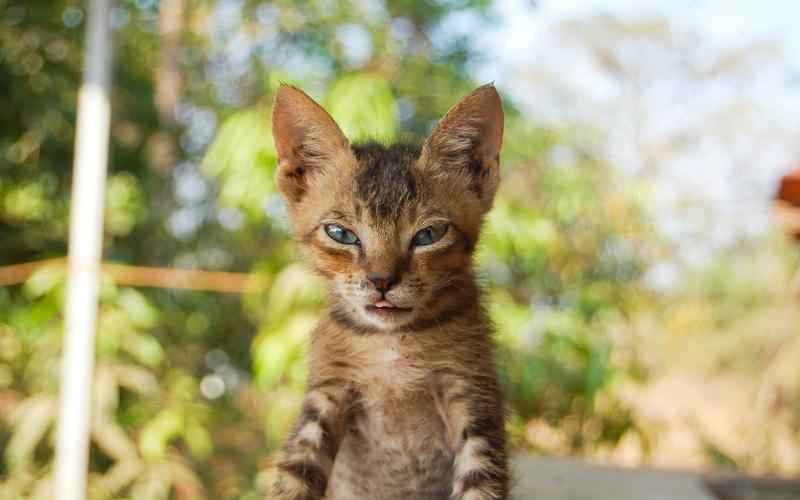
(299, 481)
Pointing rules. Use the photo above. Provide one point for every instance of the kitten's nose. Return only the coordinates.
(383, 282)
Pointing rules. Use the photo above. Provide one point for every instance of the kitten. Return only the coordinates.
(403, 400)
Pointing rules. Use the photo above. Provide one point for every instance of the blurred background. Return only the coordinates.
(635, 264)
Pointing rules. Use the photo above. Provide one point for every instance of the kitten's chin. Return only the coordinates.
(388, 317)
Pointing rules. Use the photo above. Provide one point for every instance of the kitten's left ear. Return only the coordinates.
(466, 143)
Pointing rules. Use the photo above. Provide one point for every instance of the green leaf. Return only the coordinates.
(198, 439)
(293, 288)
(156, 435)
(596, 373)
(31, 421)
(243, 157)
(143, 347)
(137, 380)
(364, 107)
(279, 352)
(45, 279)
(283, 406)
(141, 313)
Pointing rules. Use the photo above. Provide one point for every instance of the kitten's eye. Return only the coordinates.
(341, 235)
(429, 235)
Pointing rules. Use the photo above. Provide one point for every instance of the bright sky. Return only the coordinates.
(728, 21)
(736, 156)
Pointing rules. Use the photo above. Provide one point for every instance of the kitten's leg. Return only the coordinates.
(307, 458)
(477, 426)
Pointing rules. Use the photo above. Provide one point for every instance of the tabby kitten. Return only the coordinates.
(403, 400)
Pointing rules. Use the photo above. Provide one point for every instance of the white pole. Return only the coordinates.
(85, 248)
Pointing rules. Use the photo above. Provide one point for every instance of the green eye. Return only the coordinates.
(429, 235)
(341, 235)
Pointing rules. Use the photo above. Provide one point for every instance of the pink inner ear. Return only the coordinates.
(299, 122)
(473, 127)
(285, 133)
(306, 138)
(466, 143)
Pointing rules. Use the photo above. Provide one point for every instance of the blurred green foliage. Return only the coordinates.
(194, 391)
(553, 273)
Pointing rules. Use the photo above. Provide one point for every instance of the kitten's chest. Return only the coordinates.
(392, 459)
(396, 441)
(398, 406)
(391, 370)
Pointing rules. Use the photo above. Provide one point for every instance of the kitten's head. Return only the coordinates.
(393, 228)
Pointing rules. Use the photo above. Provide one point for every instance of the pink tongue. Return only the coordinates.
(384, 303)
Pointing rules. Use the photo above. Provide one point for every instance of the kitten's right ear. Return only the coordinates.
(465, 145)
(307, 141)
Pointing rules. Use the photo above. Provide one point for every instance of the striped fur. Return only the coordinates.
(405, 405)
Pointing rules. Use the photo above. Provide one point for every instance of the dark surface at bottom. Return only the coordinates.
(741, 488)
(537, 478)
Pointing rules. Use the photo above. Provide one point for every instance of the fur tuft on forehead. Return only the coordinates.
(386, 179)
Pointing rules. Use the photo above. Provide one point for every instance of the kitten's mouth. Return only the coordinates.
(386, 308)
